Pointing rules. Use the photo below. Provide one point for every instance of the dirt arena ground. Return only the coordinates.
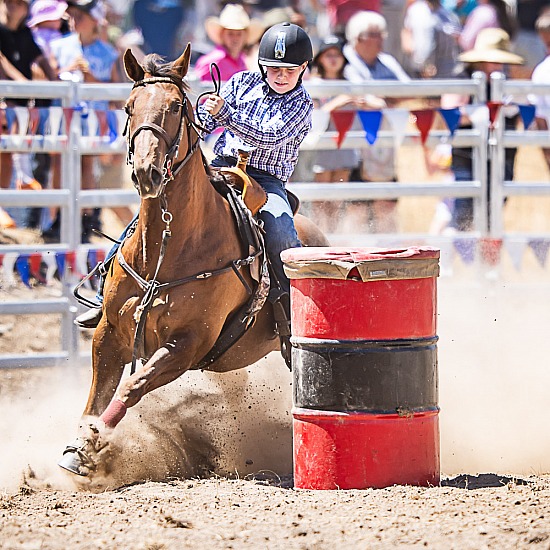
(495, 443)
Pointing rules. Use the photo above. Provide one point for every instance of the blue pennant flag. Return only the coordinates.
(23, 268)
(371, 124)
(527, 113)
(112, 123)
(10, 117)
(60, 261)
(466, 249)
(451, 118)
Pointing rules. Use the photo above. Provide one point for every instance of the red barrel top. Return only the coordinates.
(369, 262)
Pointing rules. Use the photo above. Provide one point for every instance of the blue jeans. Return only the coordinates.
(276, 215)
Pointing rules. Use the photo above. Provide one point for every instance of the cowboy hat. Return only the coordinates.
(233, 17)
(491, 46)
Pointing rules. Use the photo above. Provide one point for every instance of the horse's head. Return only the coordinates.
(159, 120)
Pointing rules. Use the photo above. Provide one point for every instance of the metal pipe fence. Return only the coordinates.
(72, 145)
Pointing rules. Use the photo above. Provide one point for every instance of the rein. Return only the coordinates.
(153, 287)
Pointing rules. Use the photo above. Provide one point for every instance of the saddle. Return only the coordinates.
(252, 193)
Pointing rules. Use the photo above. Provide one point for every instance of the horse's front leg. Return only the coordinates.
(108, 360)
(167, 363)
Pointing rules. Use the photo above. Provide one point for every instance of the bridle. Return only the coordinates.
(170, 168)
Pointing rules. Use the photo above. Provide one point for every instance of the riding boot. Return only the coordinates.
(281, 312)
(91, 318)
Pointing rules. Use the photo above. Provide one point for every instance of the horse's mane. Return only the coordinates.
(155, 65)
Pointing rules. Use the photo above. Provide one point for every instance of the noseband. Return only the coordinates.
(170, 169)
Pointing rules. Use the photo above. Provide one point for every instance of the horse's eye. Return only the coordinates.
(176, 108)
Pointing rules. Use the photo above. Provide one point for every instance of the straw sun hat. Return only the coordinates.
(233, 17)
(491, 46)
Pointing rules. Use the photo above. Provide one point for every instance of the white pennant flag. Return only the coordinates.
(22, 114)
(93, 124)
(121, 118)
(515, 249)
(319, 123)
(399, 120)
(479, 115)
(9, 263)
(82, 263)
(51, 265)
(56, 115)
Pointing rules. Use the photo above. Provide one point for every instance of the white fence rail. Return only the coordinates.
(72, 199)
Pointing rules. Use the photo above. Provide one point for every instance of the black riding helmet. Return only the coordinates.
(284, 45)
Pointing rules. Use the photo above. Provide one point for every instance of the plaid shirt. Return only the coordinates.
(257, 119)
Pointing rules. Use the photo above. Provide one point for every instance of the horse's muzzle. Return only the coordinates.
(148, 181)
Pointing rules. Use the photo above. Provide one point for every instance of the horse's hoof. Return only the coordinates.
(75, 459)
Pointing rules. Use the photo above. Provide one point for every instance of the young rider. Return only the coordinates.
(269, 114)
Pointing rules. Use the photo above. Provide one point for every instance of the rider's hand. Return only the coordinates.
(213, 104)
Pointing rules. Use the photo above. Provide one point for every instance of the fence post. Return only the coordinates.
(498, 158)
(479, 159)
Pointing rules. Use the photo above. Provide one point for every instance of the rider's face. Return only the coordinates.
(284, 79)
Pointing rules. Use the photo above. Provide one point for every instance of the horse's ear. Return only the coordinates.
(182, 63)
(133, 69)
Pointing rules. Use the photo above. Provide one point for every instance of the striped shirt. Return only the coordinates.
(272, 126)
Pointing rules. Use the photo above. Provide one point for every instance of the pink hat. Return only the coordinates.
(46, 10)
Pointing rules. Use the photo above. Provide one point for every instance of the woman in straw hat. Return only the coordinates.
(491, 53)
(231, 32)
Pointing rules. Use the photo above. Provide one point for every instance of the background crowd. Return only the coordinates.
(355, 40)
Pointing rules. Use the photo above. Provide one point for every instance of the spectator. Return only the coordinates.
(18, 53)
(527, 42)
(46, 21)
(92, 60)
(429, 36)
(339, 12)
(365, 33)
(488, 14)
(159, 21)
(541, 75)
(334, 165)
(491, 53)
(230, 32)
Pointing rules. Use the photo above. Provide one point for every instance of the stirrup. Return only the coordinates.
(101, 268)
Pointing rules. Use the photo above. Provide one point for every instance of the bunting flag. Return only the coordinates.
(540, 248)
(424, 119)
(90, 123)
(371, 124)
(103, 123)
(3, 121)
(398, 119)
(494, 109)
(515, 249)
(490, 250)
(56, 115)
(22, 267)
(478, 115)
(9, 266)
(451, 118)
(68, 113)
(112, 125)
(343, 120)
(60, 261)
(527, 114)
(34, 121)
(22, 117)
(10, 118)
(466, 249)
(51, 266)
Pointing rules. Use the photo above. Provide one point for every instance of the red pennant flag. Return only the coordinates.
(35, 262)
(3, 121)
(102, 120)
(494, 108)
(424, 121)
(68, 112)
(70, 258)
(34, 120)
(343, 121)
(100, 255)
(490, 250)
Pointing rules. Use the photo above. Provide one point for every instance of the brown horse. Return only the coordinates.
(181, 322)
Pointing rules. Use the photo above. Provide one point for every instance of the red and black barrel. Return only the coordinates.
(364, 361)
